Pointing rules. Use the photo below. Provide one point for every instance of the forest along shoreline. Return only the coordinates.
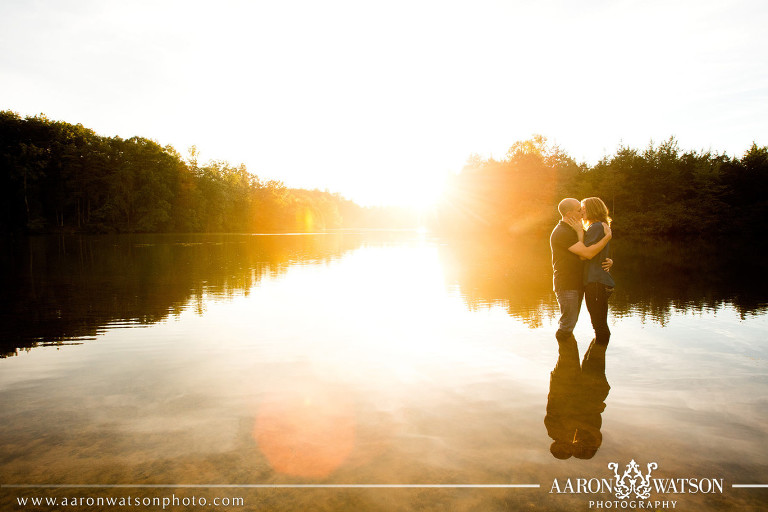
(60, 177)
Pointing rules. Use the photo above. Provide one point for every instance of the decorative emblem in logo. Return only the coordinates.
(633, 481)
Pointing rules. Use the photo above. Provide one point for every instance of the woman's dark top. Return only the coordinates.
(593, 270)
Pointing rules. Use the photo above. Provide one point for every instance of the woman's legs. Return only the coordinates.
(596, 296)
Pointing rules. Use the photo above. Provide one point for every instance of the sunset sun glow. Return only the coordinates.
(381, 102)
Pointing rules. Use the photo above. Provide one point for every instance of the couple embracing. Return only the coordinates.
(577, 392)
(580, 265)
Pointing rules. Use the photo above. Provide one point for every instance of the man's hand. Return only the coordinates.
(577, 226)
(587, 252)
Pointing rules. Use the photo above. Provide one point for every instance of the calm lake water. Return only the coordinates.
(373, 358)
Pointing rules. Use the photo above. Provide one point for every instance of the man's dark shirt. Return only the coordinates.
(567, 267)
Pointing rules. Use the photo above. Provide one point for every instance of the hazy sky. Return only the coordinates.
(374, 99)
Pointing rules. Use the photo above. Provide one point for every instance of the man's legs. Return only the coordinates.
(570, 305)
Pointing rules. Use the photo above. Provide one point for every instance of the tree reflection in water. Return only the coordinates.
(653, 279)
(62, 289)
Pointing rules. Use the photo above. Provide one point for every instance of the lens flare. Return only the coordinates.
(306, 432)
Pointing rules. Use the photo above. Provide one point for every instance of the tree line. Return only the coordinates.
(60, 177)
(661, 190)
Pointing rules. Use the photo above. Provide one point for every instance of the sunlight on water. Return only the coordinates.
(383, 362)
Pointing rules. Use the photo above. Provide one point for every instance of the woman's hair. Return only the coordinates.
(595, 210)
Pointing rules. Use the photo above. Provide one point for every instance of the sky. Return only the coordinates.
(380, 101)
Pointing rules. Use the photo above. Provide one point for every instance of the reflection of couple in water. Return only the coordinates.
(580, 266)
(576, 401)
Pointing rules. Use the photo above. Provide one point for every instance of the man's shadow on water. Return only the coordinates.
(576, 401)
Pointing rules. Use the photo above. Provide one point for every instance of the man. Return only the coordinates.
(568, 250)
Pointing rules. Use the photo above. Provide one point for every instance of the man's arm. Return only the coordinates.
(589, 251)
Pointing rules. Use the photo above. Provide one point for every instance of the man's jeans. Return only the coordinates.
(570, 305)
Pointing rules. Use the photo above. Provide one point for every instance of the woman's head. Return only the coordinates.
(595, 210)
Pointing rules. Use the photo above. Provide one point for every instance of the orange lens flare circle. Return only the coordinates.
(307, 433)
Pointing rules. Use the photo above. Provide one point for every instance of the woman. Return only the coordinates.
(598, 284)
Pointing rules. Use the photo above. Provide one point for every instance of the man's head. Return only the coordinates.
(561, 449)
(570, 208)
